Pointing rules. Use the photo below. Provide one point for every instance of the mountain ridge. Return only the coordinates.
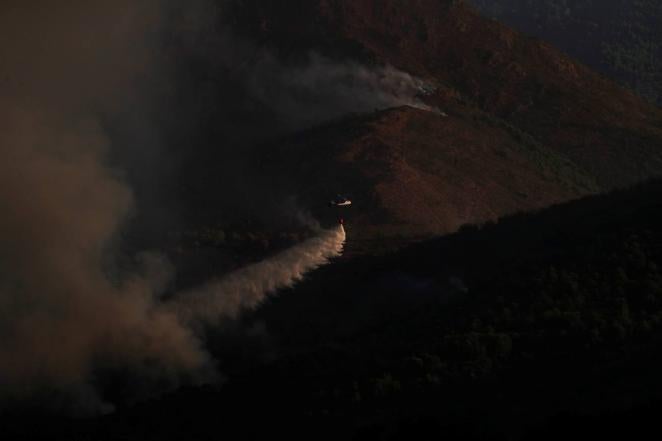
(482, 71)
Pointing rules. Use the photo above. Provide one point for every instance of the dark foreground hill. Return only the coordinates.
(524, 329)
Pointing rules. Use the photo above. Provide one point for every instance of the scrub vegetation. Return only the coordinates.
(620, 38)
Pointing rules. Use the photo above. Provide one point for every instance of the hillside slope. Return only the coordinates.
(525, 125)
(607, 130)
(618, 38)
(413, 172)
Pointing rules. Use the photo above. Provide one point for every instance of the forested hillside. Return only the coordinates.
(620, 38)
(502, 331)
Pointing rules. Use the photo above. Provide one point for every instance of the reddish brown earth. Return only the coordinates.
(606, 129)
(413, 173)
(527, 126)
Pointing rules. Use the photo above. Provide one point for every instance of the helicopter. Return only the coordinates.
(340, 201)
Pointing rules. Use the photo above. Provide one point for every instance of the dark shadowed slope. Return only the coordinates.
(486, 334)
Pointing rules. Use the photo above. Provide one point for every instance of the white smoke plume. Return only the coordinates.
(322, 89)
(246, 288)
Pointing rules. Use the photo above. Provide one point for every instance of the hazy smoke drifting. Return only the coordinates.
(60, 314)
(322, 89)
(258, 96)
(58, 310)
(67, 71)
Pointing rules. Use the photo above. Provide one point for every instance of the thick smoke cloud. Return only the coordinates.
(82, 87)
(60, 314)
